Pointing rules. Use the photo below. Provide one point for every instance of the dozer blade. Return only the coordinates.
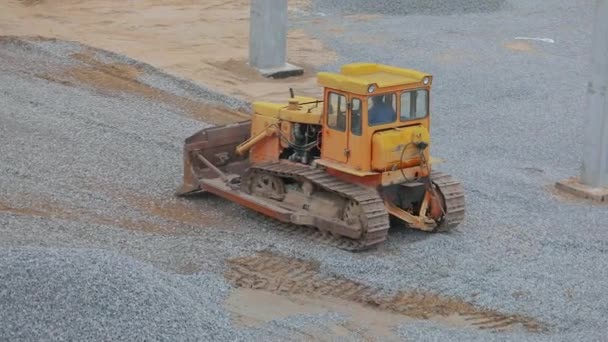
(215, 146)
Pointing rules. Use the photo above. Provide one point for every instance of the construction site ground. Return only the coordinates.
(97, 96)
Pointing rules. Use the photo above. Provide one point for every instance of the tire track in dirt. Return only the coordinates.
(289, 276)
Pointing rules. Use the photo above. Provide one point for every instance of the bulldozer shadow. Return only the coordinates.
(400, 233)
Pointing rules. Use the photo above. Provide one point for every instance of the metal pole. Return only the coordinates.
(268, 33)
(594, 170)
(268, 39)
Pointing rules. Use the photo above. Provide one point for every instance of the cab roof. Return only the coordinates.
(357, 77)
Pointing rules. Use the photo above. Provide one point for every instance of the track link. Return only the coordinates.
(453, 194)
(311, 233)
(376, 218)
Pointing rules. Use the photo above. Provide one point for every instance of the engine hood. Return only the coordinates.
(397, 148)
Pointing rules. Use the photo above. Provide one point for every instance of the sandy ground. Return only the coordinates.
(94, 245)
(205, 41)
(274, 286)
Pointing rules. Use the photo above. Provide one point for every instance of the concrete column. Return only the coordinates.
(593, 182)
(595, 154)
(268, 39)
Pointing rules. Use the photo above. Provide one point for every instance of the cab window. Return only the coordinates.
(355, 121)
(336, 112)
(414, 104)
(381, 109)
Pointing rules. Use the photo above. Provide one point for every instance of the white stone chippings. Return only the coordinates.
(506, 122)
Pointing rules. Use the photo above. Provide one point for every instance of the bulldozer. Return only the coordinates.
(349, 165)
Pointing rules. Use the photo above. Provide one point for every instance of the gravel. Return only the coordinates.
(137, 301)
(507, 118)
(409, 7)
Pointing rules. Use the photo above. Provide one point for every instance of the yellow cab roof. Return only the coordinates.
(357, 77)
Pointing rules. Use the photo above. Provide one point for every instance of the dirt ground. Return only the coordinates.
(92, 155)
(278, 286)
(205, 41)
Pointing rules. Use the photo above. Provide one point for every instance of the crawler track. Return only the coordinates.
(311, 233)
(376, 219)
(453, 194)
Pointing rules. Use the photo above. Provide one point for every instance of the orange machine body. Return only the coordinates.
(344, 164)
(351, 147)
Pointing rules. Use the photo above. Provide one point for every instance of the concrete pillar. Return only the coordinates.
(595, 153)
(268, 39)
(593, 182)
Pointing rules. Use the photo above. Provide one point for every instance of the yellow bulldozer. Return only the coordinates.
(348, 164)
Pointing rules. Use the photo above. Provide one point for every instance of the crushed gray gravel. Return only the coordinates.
(85, 254)
(83, 294)
(409, 7)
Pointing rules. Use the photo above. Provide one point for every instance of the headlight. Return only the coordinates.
(371, 88)
(426, 80)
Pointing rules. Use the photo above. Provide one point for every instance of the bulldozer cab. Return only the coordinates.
(363, 100)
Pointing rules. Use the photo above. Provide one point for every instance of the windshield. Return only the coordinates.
(382, 109)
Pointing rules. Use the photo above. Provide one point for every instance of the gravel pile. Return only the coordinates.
(85, 175)
(78, 295)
